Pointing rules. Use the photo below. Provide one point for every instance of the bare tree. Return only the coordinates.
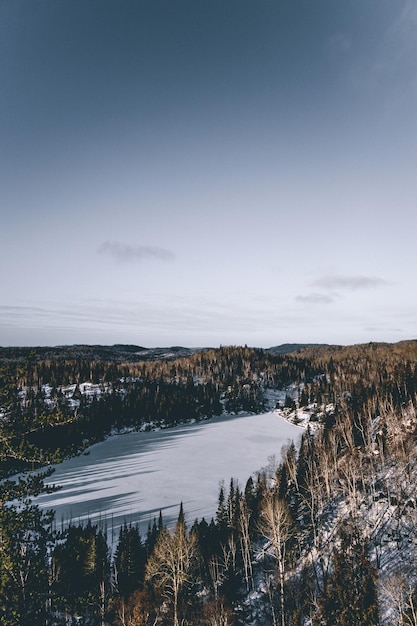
(136, 611)
(245, 543)
(277, 527)
(216, 574)
(216, 614)
(171, 563)
(398, 594)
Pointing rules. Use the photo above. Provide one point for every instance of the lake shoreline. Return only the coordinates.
(133, 478)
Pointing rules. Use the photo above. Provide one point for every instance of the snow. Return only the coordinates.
(133, 476)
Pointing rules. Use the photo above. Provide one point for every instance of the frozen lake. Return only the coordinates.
(133, 476)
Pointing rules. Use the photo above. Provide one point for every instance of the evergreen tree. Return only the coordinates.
(82, 571)
(222, 517)
(181, 517)
(129, 561)
(153, 533)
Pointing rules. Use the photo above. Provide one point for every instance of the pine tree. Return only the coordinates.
(129, 561)
(82, 571)
(152, 534)
(222, 517)
(181, 517)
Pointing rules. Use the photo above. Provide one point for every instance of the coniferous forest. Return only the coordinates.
(328, 536)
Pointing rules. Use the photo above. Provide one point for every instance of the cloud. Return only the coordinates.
(339, 43)
(171, 319)
(125, 253)
(317, 298)
(403, 29)
(383, 329)
(349, 283)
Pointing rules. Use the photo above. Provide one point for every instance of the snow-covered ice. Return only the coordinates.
(133, 476)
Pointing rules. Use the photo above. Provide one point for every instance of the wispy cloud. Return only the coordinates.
(349, 282)
(395, 65)
(166, 317)
(403, 29)
(317, 298)
(383, 329)
(171, 319)
(339, 43)
(126, 253)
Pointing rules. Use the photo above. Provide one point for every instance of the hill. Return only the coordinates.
(287, 348)
(118, 353)
(328, 536)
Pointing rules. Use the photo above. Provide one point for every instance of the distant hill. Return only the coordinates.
(119, 353)
(287, 348)
(123, 353)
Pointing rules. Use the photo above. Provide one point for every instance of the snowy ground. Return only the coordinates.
(132, 476)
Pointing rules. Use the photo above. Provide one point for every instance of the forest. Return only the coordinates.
(326, 536)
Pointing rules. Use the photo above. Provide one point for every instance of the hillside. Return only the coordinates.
(326, 537)
(287, 348)
(119, 353)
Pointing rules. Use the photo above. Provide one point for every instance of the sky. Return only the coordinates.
(207, 172)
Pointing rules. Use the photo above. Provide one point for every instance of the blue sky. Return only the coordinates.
(205, 173)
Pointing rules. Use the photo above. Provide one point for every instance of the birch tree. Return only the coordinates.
(277, 527)
(171, 564)
(25, 533)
